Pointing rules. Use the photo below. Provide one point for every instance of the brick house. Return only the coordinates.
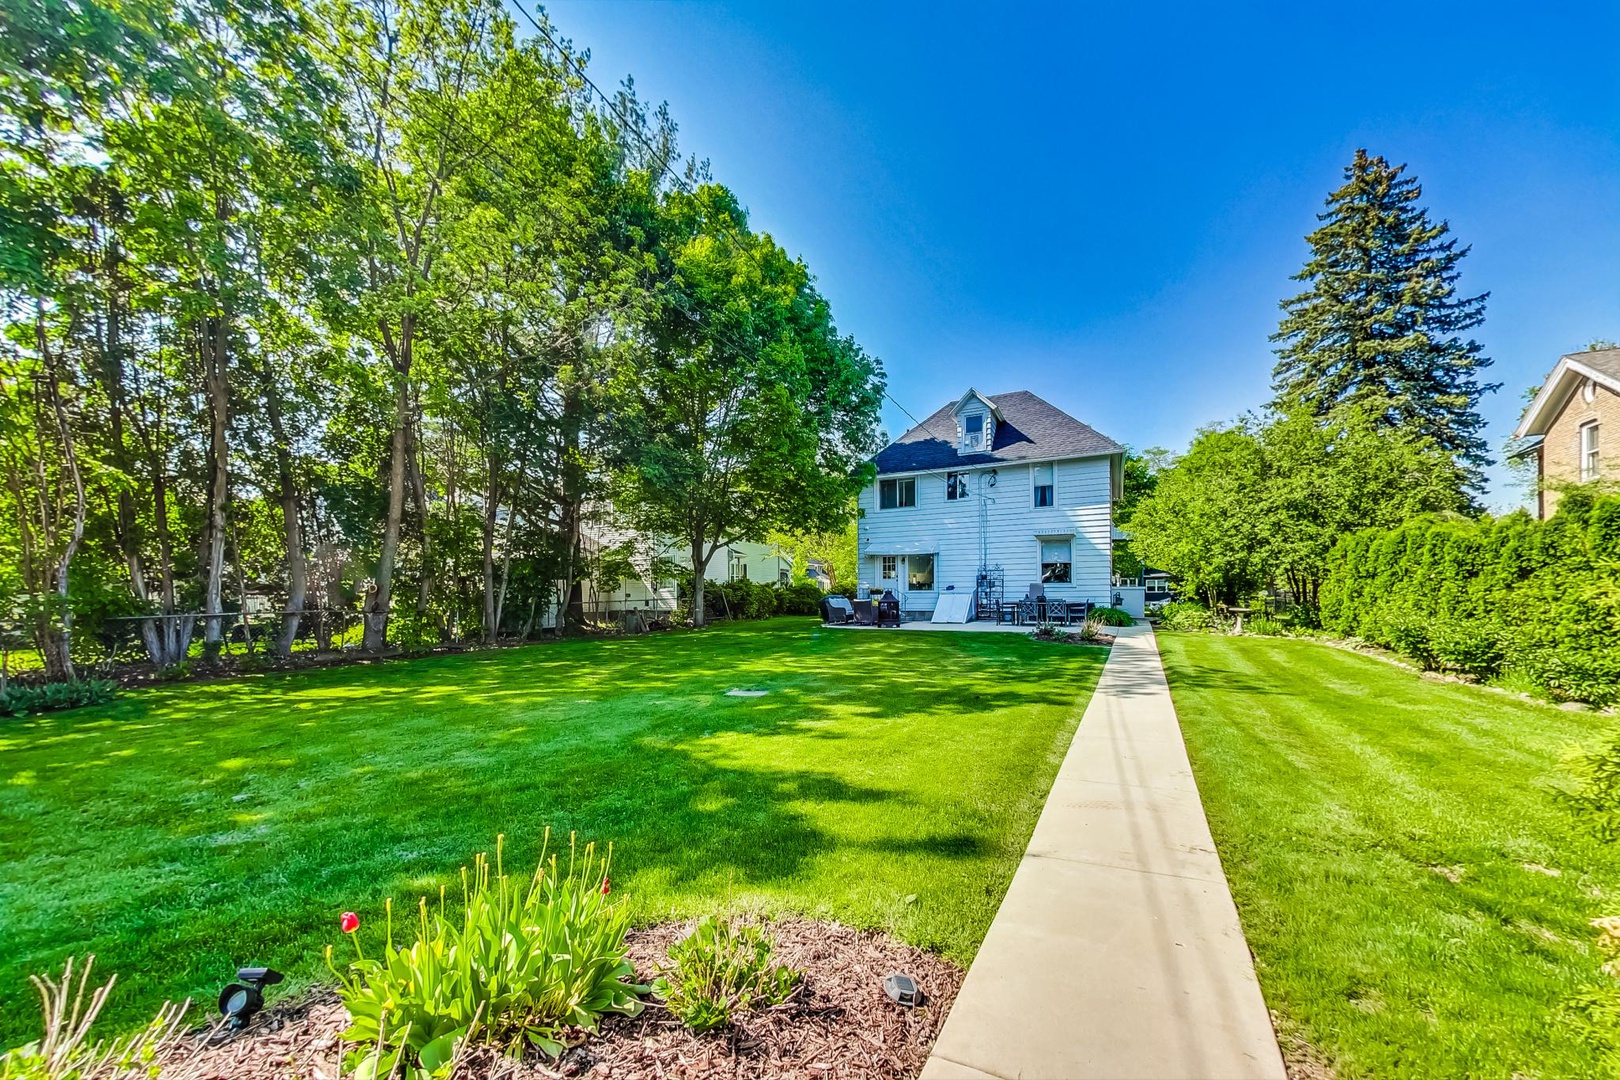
(1576, 419)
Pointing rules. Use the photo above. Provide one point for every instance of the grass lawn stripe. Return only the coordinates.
(1345, 794)
(888, 780)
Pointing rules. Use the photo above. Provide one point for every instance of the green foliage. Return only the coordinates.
(1185, 615)
(1262, 502)
(24, 700)
(349, 303)
(1534, 602)
(743, 599)
(1052, 632)
(521, 960)
(1380, 326)
(1112, 616)
(1596, 773)
(800, 598)
(741, 323)
(720, 969)
(1264, 626)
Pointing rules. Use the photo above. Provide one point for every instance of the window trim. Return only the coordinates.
(933, 572)
(969, 441)
(956, 486)
(907, 484)
(1036, 487)
(1587, 450)
(888, 568)
(1067, 577)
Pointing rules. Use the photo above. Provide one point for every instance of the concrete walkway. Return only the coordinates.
(1117, 951)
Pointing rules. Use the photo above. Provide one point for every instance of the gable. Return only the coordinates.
(1570, 377)
(1027, 428)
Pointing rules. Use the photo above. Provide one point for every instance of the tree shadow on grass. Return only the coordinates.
(188, 830)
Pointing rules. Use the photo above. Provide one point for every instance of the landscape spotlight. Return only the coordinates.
(240, 1000)
(903, 990)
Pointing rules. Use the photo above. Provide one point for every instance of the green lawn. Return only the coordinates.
(1345, 794)
(886, 779)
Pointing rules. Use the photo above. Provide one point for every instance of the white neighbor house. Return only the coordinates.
(1007, 482)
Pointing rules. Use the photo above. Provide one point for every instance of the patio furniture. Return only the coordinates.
(1037, 591)
(836, 610)
(1058, 611)
(865, 613)
(1007, 612)
(1029, 612)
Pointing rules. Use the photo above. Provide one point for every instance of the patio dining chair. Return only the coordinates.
(1058, 612)
(1029, 612)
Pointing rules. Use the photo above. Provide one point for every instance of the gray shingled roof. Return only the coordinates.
(1031, 430)
(1604, 360)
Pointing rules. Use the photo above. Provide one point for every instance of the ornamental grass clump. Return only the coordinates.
(519, 963)
(66, 1052)
(721, 969)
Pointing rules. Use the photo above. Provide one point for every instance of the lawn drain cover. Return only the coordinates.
(736, 692)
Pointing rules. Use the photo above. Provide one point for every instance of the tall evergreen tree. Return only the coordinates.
(1380, 326)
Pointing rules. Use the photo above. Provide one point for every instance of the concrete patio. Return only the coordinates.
(1117, 951)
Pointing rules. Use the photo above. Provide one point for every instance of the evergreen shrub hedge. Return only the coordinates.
(1536, 601)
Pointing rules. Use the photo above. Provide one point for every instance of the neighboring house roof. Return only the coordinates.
(1602, 366)
(1029, 430)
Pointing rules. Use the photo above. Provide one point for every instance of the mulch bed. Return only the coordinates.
(838, 1024)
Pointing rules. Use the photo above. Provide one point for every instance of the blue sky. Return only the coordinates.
(1105, 206)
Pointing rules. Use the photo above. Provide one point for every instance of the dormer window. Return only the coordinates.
(973, 431)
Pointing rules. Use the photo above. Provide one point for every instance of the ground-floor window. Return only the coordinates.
(1057, 560)
(889, 564)
(920, 572)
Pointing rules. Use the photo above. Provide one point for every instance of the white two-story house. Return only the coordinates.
(1004, 488)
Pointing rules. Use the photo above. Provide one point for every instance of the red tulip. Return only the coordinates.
(605, 889)
(349, 922)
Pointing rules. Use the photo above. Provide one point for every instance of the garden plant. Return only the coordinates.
(522, 960)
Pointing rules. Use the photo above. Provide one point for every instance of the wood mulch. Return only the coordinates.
(839, 1024)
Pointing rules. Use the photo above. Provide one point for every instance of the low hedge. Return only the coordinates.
(757, 600)
(26, 700)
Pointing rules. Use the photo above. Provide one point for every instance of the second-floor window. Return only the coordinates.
(1043, 485)
(956, 485)
(893, 494)
(1589, 452)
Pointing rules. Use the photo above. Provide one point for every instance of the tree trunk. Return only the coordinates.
(291, 527)
(424, 590)
(59, 645)
(492, 495)
(213, 349)
(700, 567)
(376, 609)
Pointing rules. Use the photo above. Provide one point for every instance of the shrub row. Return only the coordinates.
(1536, 603)
(757, 600)
(18, 700)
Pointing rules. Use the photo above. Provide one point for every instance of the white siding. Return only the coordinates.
(1010, 525)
